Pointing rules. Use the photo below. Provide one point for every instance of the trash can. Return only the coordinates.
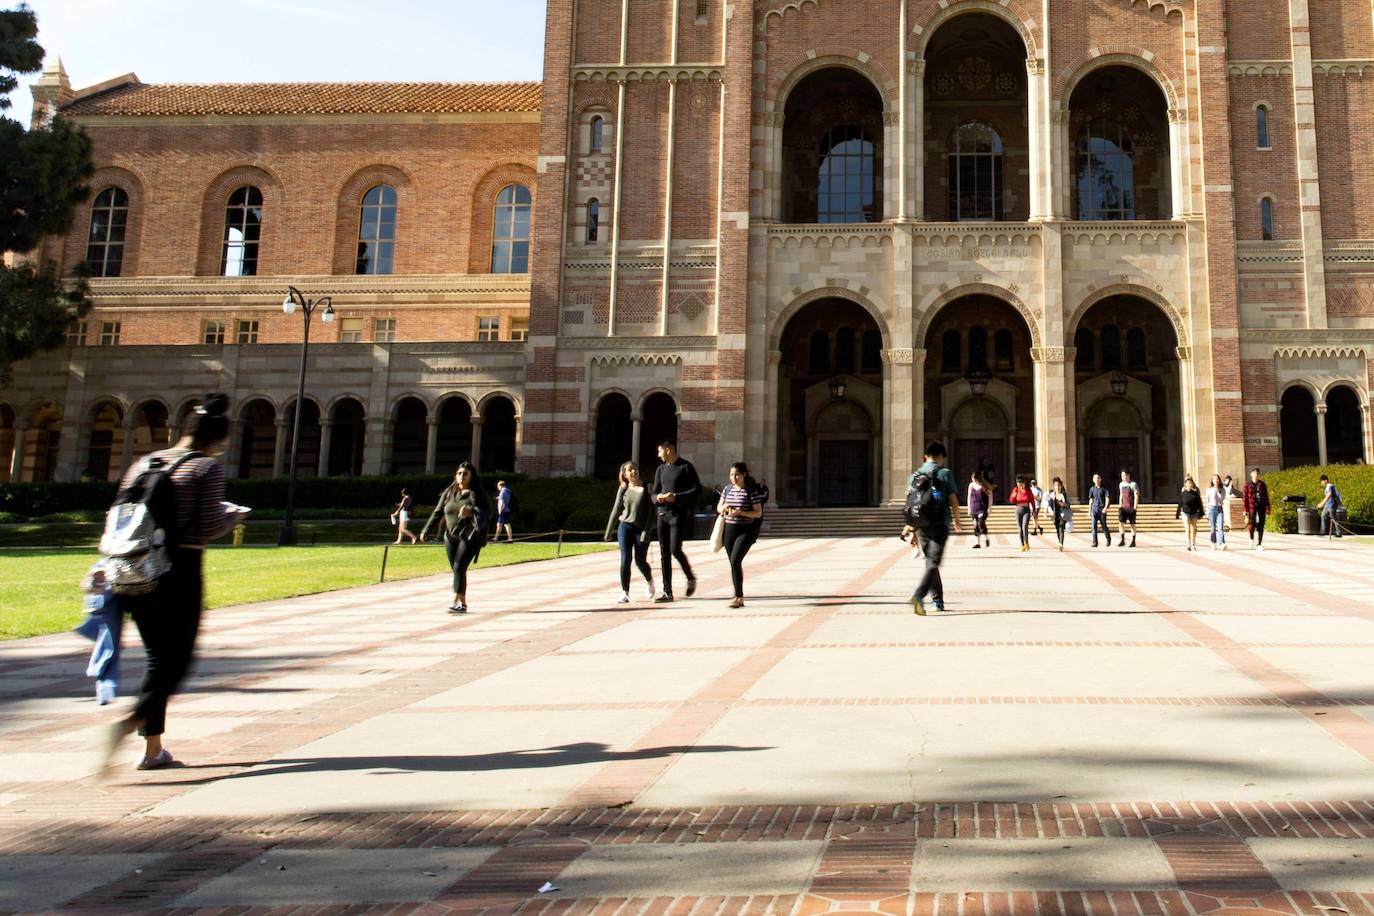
(1309, 520)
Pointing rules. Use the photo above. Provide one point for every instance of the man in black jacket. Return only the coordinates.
(675, 494)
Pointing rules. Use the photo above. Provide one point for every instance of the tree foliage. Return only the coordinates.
(43, 177)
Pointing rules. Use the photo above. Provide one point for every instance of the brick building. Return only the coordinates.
(1064, 236)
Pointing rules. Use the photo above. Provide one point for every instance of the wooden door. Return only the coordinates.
(843, 472)
(1109, 456)
(971, 454)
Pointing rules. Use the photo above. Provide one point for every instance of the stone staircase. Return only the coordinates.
(871, 521)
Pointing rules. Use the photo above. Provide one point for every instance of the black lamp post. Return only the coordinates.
(837, 386)
(978, 381)
(296, 299)
(1119, 383)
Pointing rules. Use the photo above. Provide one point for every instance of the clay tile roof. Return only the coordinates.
(135, 99)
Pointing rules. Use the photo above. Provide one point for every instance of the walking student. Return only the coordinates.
(1060, 507)
(1256, 501)
(1039, 495)
(1127, 502)
(935, 532)
(460, 513)
(632, 519)
(1099, 501)
(674, 493)
(1218, 493)
(1023, 498)
(168, 617)
(1231, 493)
(505, 507)
(1190, 509)
(741, 503)
(980, 495)
(1331, 501)
(401, 517)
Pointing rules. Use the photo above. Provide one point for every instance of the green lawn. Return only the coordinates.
(40, 589)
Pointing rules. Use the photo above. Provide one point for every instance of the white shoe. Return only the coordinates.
(624, 598)
(649, 591)
(1260, 548)
(1223, 546)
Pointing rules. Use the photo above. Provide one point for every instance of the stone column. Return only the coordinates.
(1309, 183)
(1054, 424)
(1062, 164)
(126, 451)
(636, 428)
(431, 443)
(917, 129)
(326, 440)
(1036, 124)
(918, 406)
(1320, 410)
(375, 458)
(279, 449)
(590, 456)
(1189, 409)
(21, 436)
(477, 442)
(1178, 163)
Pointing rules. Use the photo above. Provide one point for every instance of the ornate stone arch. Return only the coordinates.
(484, 200)
(216, 198)
(858, 297)
(404, 396)
(938, 300)
(1009, 12)
(34, 405)
(332, 404)
(487, 398)
(267, 398)
(1350, 383)
(1118, 56)
(1318, 395)
(286, 404)
(119, 404)
(439, 402)
(810, 61)
(781, 10)
(132, 182)
(637, 406)
(350, 198)
(1130, 289)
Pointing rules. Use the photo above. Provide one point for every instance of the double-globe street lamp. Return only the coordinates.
(295, 299)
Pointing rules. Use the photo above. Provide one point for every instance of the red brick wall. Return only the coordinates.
(695, 159)
(598, 31)
(698, 40)
(651, 23)
(642, 177)
(1257, 375)
(1345, 145)
(1273, 171)
(1112, 27)
(1341, 29)
(1258, 30)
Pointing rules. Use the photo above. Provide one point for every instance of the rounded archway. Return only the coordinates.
(1128, 358)
(347, 436)
(980, 388)
(832, 149)
(498, 435)
(977, 121)
(38, 450)
(104, 442)
(1344, 426)
(1298, 428)
(1119, 135)
(659, 411)
(830, 406)
(614, 435)
(454, 445)
(257, 439)
(409, 436)
(308, 458)
(151, 429)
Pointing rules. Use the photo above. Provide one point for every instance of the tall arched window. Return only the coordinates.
(510, 231)
(105, 248)
(845, 342)
(1137, 357)
(819, 358)
(598, 133)
(951, 360)
(978, 347)
(593, 219)
(242, 232)
(975, 173)
(871, 359)
(1084, 358)
(1111, 348)
(1002, 351)
(1106, 172)
(377, 230)
(1267, 219)
(1262, 126)
(845, 194)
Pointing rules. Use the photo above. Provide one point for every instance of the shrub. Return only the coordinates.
(1355, 481)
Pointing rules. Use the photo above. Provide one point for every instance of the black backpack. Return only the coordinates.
(925, 502)
(141, 527)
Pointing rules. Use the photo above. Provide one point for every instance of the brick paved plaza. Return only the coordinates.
(1110, 731)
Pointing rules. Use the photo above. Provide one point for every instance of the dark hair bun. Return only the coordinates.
(215, 405)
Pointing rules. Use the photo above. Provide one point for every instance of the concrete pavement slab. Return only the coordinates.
(1292, 629)
(1318, 865)
(707, 869)
(37, 883)
(1339, 673)
(1079, 863)
(682, 634)
(900, 625)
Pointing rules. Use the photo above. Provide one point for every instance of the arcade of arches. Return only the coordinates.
(1312, 433)
(621, 433)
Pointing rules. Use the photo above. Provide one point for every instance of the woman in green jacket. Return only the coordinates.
(632, 518)
(461, 513)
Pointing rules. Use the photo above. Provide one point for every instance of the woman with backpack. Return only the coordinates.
(979, 504)
(1024, 500)
(1190, 508)
(461, 513)
(168, 613)
(1060, 507)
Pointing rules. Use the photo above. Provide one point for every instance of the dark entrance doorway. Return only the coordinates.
(974, 454)
(1110, 456)
(843, 473)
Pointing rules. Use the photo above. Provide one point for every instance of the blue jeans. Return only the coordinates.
(1216, 517)
(1100, 518)
(1329, 526)
(633, 547)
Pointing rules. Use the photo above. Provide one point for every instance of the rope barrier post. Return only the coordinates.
(386, 548)
(559, 551)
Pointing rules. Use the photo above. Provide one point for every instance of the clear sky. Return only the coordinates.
(211, 41)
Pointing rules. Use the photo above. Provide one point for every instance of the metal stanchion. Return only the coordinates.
(386, 549)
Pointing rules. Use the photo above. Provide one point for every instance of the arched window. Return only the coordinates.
(1002, 351)
(819, 361)
(1267, 219)
(105, 248)
(377, 230)
(1137, 358)
(846, 177)
(593, 219)
(1111, 348)
(510, 232)
(242, 232)
(978, 348)
(951, 360)
(872, 358)
(1084, 357)
(1106, 172)
(598, 133)
(844, 350)
(975, 173)
(1262, 126)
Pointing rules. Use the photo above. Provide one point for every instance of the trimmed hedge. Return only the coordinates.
(1355, 481)
(545, 504)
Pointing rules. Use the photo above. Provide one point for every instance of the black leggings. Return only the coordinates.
(633, 546)
(1023, 517)
(1061, 521)
(980, 525)
(1256, 520)
(460, 553)
(168, 620)
(673, 529)
(738, 540)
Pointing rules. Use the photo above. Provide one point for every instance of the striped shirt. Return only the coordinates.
(199, 488)
(743, 498)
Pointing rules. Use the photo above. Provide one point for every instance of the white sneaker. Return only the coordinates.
(1260, 548)
(624, 598)
(649, 591)
(1223, 546)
